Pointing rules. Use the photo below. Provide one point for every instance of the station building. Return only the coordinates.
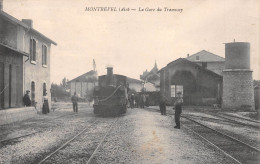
(24, 64)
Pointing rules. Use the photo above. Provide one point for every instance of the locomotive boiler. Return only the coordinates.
(110, 96)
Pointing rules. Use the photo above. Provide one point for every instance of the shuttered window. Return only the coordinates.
(33, 50)
(44, 55)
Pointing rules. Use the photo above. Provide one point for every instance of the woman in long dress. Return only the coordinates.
(45, 107)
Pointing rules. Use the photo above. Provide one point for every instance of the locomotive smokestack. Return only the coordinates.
(109, 71)
(109, 75)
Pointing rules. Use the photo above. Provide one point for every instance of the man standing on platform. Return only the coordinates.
(74, 100)
(162, 105)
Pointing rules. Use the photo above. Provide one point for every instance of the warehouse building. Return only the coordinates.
(83, 84)
(198, 85)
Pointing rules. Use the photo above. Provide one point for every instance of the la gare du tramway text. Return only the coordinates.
(165, 9)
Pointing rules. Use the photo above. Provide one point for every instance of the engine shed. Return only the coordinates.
(198, 85)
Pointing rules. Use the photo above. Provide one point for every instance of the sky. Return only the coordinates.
(131, 41)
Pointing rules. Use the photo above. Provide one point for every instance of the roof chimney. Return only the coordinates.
(28, 22)
(188, 55)
(1, 5)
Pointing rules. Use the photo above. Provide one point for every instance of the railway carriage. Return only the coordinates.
(110, 96)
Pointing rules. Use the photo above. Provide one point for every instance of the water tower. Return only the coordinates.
(238, 91)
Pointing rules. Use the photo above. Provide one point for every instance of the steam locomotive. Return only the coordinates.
(110, 96)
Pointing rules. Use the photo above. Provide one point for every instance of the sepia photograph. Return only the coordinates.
(134, 82)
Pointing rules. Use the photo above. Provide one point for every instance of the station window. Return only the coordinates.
(197, 58)
(44, 55)
(176, 89)
(33, 50)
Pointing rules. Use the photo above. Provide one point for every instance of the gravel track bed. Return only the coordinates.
(245, 134)
(146, 137)
(31, 148)
(236, 149)
(80, 149)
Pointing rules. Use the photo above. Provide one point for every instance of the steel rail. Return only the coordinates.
(4, 140)
(66, 143)
(213, 145)
(28, 134)
(226, 135)
(224, 119)
(240, 118)
(108, 131)
(241, 123)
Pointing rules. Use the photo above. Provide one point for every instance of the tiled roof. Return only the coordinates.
(205, 56)
(18, 22)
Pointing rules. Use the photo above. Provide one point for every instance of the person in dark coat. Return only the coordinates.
(132, 100)
(74, 100)
(178, 110)
(162, 104)
(142, 100)
(26, 99)
(45, 106)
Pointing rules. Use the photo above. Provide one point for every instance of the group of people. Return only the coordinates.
(137, 100)
(177, 106)
(45, 104)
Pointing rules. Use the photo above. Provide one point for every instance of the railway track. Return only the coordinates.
(9, 140)
(243, 118)
(235, 149)
(223, 119)
(228, 116)
(48, 159)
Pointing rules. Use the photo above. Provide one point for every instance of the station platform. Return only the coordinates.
(12, 115)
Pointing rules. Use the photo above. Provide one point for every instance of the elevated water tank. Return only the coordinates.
(237, 55)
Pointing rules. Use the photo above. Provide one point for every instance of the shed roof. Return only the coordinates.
(183, 60)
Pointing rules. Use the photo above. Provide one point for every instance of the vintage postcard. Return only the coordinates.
(129, 81)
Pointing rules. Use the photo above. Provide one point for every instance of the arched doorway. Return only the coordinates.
(185, 82)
